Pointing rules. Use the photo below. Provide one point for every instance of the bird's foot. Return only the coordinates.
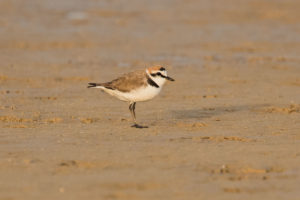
(138, 126)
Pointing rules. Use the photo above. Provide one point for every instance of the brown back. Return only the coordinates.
(127, 82)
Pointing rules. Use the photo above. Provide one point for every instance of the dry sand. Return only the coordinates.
(227, 128)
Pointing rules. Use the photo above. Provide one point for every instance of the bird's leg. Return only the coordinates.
(133, 116)
(132, 112)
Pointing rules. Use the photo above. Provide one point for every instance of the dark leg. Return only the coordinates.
(131, 105)
(132, 111)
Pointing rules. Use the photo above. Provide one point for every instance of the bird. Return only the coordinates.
(136, 86)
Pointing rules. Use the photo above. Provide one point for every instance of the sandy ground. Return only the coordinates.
(227, 128)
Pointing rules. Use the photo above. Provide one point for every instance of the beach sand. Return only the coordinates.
(227, 128)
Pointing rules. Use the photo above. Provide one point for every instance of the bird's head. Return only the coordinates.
(158, 74)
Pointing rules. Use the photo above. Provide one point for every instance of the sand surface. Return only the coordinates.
(227, 128)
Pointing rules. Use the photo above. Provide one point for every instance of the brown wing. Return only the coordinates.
(128, 81)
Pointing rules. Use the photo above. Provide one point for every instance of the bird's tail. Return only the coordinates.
(95, 85)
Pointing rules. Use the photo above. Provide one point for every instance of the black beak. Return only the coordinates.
(169, 78)
(161, 75)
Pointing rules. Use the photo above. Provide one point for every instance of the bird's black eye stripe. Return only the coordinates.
(162, 69)
(158, 74)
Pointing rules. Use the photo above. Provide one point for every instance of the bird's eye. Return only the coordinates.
(157, 74)
(162, 69)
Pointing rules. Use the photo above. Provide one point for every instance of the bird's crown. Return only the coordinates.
(156, 68)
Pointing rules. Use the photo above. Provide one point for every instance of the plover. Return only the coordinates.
(140, 85)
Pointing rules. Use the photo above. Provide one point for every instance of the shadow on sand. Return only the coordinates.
(213, 111)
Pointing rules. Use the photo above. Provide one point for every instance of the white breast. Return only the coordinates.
(140, 94)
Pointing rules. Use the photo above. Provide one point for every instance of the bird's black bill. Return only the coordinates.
(169, 78)
(163, 76)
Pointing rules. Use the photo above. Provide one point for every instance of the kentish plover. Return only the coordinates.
(141, 85)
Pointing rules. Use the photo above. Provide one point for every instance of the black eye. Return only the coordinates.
(162, 69)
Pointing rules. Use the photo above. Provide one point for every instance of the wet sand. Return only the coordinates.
(227, 128)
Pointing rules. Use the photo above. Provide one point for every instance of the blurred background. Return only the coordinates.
(227, 128)
(135, 33)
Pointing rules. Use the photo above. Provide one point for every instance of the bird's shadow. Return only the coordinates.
(209, 112)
